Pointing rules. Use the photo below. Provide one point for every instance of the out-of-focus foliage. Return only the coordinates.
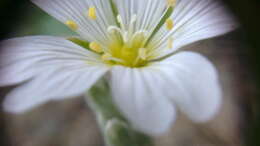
(24, 18)
(36, 22)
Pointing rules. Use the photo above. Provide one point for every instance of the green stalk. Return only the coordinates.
(117, 131)
(79, 42)
(115, 11)
(166, 15)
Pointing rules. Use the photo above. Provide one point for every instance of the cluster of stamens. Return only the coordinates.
(126, 46)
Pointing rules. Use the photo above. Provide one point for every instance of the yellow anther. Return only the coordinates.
(170, 43)
(171, 3)
(92, 13)
(71, 24)
(95, 47)
(169, 24)
(106, 57)
(142, 53)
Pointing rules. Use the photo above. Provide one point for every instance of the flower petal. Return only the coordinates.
(193, 85)
(141, 99)
(54, 84)
(58, 68)
(77, 11)
(22, 58)
(148, 12)
(200, 19)
(195, 20)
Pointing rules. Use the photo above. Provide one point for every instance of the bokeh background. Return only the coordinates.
(71, 123)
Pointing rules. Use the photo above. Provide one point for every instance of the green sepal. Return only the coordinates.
(103, 103)
(80, 42)
(114, 11)
(117, 131)
(167, 14)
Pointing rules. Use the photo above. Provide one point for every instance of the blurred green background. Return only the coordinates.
(27, 19)
(69, 123)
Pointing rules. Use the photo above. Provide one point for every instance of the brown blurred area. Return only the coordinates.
(71, 123)
(228, 127)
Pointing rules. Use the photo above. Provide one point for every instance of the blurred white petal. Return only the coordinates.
(195, 20)
(140, 97)
(53, 67)
(200, 19)
(148, 12)
(23, 58)
(192, 84)
(77, 11)
(54, 84)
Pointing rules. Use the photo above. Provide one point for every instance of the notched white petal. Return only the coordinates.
(23, 58)
(193, 85)
(89, 18)
(140, 97)
(196, 20)
(53, 67)
(53, 84)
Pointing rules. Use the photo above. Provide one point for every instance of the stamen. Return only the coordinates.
(115, 32)
(125, 36)
(169, 23)
(138, 38)
(131, 25)
(113, 29)
(106, 57)
(72, 25)
(170, 43)
(119, 18)
(140, 32)
(141, 35)
(171, 3)
(120, 21)
(95, 47)
(109, 57)
(92, 13)
(142, 53)
(133, 18)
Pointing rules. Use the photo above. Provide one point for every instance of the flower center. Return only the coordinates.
(130, 52)
(127, 46)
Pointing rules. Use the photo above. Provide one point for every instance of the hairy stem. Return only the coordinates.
(116, 130)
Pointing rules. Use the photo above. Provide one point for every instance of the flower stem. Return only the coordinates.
(115, 128)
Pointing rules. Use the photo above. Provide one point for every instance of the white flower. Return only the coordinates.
(133, 43)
